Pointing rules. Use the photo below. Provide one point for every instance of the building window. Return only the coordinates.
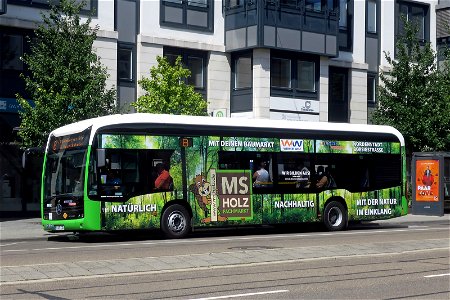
(2, 7)
(290, 3)
(313, 5)
(343, 14)
(193, 60)
(372, 16)
(243, 72)
(235, 3)
(371, 88)
(306, 76)
(280, 72)
(199, 3)
(241, 96)
(345, 38)
(293, 75)
(442, 48)
(190, 14)
(195, 65)
(417, 15)
(89, 8)
(11, 47)
(125, 63)
(14, 43)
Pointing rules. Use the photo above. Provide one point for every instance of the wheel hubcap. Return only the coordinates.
(335, 216)
(176, 221)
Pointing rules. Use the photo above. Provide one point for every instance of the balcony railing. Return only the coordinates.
(281, 24)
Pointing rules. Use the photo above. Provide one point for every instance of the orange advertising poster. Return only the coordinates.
(427, 180)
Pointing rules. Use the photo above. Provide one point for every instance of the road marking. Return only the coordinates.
(11, 244)
(213, 240)
(437, 275)
(243, 295)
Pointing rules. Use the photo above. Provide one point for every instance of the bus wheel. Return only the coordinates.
(176, 222)
(335, 216)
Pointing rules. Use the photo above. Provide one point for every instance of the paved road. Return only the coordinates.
(26, 229)
(416, 274)
(32, 262)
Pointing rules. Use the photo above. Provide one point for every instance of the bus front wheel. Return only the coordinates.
(335, 216)
(176, 222)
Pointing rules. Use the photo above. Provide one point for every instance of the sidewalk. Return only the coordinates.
(148, 265)
(32, 228)
(22, 229)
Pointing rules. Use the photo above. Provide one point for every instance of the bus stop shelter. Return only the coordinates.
(430, 183)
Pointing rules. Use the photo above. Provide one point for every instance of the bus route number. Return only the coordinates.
(186, 142)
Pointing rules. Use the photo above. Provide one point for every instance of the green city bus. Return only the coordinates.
(101, 174)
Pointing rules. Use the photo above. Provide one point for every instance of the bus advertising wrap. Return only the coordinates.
(222, 185)
(177, 173)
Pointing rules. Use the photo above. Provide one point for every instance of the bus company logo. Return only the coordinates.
(307, 107)
(333, 145)
(291, 145)
(59, 209)
(329, 143)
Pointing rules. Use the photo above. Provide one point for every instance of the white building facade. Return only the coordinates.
(307, 60)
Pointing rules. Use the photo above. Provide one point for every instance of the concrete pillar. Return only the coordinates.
(358, 96)
(146, 58)
(323, 96)
(261, 83)
(218, 82)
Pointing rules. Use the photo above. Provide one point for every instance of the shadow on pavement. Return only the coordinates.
(146, 235)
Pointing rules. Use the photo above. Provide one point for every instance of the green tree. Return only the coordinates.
(166, 91)
(67, 82)
(414, 95)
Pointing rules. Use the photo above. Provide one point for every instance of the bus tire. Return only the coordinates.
(176, 222)
(335, 216)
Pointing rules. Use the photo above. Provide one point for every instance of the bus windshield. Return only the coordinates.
(64, 173)
(65, 165)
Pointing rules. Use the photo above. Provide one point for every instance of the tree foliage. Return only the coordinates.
(166, 91)
(414, 96)
(67, 82)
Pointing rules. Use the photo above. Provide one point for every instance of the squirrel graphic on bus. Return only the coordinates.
(202, 192)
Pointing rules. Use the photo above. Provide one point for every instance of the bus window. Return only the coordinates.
(359, 173)
(130, 172)
(163, 180)
(159, 169)
(294, 171)
(260, 165)
(262, 172)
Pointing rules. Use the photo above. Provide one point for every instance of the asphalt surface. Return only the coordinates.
(14, 231)
(20, 229)
(407, 275)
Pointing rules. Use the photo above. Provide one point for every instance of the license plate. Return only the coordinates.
(59, 227)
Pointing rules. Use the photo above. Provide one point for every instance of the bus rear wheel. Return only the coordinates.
(176, 222)
(335, 216)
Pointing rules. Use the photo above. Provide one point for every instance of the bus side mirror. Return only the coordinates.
(101, 158)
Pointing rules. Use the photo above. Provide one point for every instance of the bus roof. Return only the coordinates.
(144, 118)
